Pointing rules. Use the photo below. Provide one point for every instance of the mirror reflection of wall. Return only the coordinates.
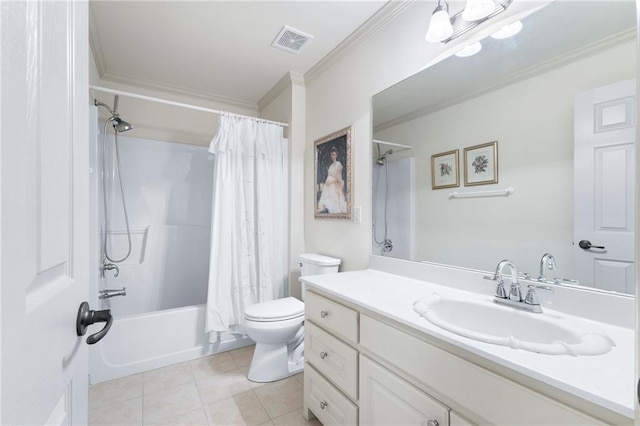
(530, 112)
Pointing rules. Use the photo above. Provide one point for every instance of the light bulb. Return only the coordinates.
(508, 30)
(469, 50)
(440, 26)
(478, 9)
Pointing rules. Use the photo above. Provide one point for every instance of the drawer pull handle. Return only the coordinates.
(324, 314)
(433, 423)
(323, 354)
(323, 405)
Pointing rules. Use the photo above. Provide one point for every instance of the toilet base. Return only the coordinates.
(271, 363)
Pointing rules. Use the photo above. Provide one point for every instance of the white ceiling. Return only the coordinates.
(219, 50)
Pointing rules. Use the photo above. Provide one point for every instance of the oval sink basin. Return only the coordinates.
(501, 325)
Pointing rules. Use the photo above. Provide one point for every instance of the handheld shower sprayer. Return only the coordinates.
(119, 125)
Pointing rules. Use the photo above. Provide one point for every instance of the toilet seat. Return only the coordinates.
(275, 310)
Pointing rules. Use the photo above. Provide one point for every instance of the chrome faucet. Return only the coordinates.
(109, 293)
(514, 299)
(515, 293)
(106, 266)
(548, 260)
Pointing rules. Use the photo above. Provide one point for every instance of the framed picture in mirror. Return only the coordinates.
(444, 170)
(481, 164)
(332, 186)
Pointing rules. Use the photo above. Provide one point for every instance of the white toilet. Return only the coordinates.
(277, 327)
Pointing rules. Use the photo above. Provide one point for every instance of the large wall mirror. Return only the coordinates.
(559, 100)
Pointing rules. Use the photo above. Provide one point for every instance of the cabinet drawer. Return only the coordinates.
(336, 360)
(332, 316)
(387, 399)
(459, 380)
(326, 402)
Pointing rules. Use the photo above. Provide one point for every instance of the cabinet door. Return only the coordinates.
(386, 399)
(457, 420)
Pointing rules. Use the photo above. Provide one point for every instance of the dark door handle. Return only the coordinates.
(86, 317)
(586, 245)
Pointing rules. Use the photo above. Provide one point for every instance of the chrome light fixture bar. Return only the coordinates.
(459, 24)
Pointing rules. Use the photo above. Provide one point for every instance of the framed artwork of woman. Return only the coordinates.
(333, 176)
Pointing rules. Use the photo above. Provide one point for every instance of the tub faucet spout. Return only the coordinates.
(109, 293)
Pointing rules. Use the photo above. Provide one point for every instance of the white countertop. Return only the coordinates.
(606, 380)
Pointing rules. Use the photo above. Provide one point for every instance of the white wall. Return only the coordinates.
(163, 122)
(168, 191)
(341, 96)
(533, 123)
(289, 107)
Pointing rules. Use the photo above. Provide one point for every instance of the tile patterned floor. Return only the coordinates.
(208, 391)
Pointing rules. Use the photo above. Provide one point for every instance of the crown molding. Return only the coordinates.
(385, 14)
(121, 78)
(289, 79)
(530, 72)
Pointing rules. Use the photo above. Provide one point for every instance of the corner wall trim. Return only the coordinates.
(287, 80)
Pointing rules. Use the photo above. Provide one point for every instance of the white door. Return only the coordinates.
(44, 210)
(604, 179)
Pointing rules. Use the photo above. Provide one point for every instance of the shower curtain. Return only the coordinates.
(248, 228)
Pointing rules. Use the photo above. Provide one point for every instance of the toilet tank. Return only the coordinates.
(317, 264)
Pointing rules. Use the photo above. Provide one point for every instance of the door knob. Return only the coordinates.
(586, 245)
(86, 317)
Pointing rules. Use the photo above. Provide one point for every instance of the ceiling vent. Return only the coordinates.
(290, 39)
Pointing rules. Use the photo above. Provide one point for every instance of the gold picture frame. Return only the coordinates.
(332, 179)
(481, 164)
(445, 172)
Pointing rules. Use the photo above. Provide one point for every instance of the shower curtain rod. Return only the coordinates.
(180, 104)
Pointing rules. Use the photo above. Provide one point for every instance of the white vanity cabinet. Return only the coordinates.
(386, 399)
(331, 361)
(485, 396)
(362, 367)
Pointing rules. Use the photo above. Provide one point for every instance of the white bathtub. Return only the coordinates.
(143, 342)
(161, 321)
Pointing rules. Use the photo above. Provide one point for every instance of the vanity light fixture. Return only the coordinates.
(508, 30)
(469, 50)
(478, 9)
(440, 25)
(444, 28)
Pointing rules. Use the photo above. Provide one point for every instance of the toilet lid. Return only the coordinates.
(275, 310)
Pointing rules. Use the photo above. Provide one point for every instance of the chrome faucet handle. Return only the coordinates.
(500, 291)
(515, 292)
(108, 267)
(532, 297)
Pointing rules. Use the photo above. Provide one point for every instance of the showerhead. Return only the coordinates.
(381, 160)
(120, 125)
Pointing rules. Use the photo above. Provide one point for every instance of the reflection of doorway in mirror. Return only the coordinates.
(604, 167)
(393, 207)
